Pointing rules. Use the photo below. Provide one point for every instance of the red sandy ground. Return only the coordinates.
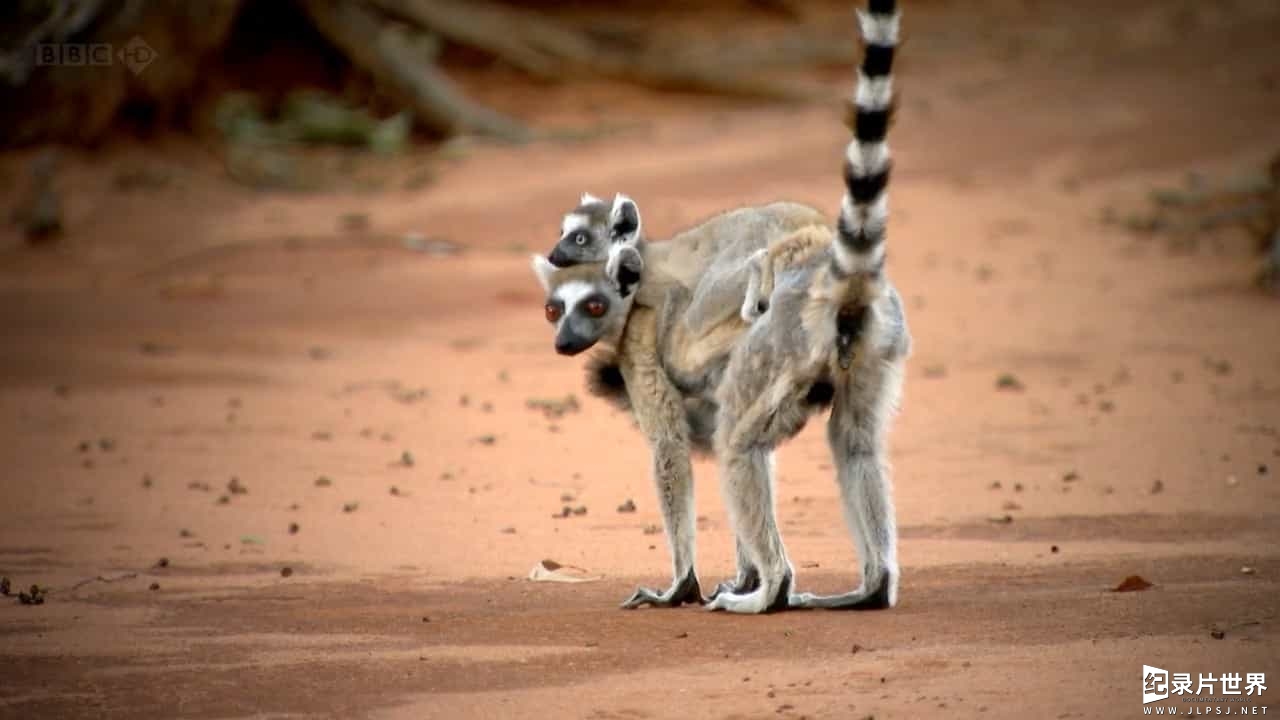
(270, 324)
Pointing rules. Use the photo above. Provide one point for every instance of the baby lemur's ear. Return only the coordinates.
(624, 268)
(543, 268)
(624, 220)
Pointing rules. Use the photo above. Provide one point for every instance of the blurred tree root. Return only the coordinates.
(395, 42)
(1184, 215)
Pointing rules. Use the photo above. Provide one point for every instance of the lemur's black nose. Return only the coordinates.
(559, 259)
(571, 346)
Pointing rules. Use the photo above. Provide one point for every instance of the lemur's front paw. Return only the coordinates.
(681, 592)
(766, 597)
(747, 581)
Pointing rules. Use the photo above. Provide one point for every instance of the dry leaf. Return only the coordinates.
(1133, 583)
(552, 571)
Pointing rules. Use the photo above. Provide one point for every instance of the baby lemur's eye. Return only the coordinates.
(581, 238)
(553, 312)
(595, 308)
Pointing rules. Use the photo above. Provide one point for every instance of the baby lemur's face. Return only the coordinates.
(583, 304)
(587, 231)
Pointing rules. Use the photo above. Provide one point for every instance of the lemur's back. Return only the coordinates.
(709, 259)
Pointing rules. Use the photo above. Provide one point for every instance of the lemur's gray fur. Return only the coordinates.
(830, 332)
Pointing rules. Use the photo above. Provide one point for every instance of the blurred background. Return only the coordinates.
(277, 395)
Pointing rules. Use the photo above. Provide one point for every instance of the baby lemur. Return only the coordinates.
(828, 330)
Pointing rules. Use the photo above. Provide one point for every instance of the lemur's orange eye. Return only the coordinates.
(553, 312)
(595, 308)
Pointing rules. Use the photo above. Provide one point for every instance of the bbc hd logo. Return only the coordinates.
(135, 55)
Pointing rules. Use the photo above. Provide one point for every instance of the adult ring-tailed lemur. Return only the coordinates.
(731, 341)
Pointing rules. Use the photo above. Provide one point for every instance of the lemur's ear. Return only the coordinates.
(624, 268)
(624, 220)
(543, 268)
(588, 199)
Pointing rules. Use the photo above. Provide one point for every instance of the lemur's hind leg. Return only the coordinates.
(856, 433)
(756, 301)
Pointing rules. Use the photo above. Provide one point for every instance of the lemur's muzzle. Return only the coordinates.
(569, 343)
(571, 347)
(559, 259)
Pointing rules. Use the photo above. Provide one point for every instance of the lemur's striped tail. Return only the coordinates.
(864, 211)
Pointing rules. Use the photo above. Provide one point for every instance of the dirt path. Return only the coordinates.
(187, 334)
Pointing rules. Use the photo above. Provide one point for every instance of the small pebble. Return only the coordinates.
(1053, 549)
(1246, 570)
(34, 596)
(350, 507)
(324, 481)
(1232, 481)
(294, 528)
(1008, 381)
(627, 507)
(406, 458)
(155, 586)
(162, 562)
(1217, 634)
(1157, 487)
(286, 571)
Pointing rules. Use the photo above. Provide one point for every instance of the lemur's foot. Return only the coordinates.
(747, 581)
(879, 593)
(769, 596)
(682, 591)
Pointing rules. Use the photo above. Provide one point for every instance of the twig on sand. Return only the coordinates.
(102, 579)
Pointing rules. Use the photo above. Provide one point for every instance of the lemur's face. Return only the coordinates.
(582, 303)
(587, 231)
